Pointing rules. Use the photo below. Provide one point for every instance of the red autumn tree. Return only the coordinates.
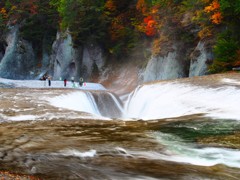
(150, 26)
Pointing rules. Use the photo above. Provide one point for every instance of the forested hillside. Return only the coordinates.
(120, 26)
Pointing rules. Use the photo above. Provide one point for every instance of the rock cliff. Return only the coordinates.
(89, 60)
(75, 62)
(18, 60)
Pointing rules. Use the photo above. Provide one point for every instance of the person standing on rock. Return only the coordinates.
(72, 79)
(81, 82)
(65, 82)
(73, 84)
(44, 80)
(49, 80)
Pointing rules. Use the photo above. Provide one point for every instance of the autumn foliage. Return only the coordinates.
(214, 10)
(118, 25)
(3, 12)
(110, 6)
(141, 6)
(150, 26)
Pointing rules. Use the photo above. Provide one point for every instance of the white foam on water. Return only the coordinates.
(230, 81)
(77, 101)
(173, 100)
(156, 101)
(21, 118)
(178, 151)
(201, 159)
(76, 153)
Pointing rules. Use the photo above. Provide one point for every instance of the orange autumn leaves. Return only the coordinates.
(3, 12)
(149, 24)
(110, 6)
(214, 10)
(14, 12)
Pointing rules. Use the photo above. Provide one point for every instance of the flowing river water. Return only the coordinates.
(183, 129)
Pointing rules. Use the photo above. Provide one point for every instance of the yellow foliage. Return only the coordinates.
(13, 7)
(110, 5)
(208, 9)
(141, 28)
(3, 11)
(155, 10)
(205, 32)
(162, 41)
(214, 6)
(156, 48)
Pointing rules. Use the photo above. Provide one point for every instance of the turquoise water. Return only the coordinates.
(201, 128)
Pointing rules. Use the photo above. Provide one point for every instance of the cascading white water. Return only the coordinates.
(101, 104)
(159, 100)
(164, 100)
(152, 101)
(78, 101)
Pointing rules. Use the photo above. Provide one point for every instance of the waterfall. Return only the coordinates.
(159, 100)
(78, 101)
(214, 96)
(108, 104)
(98, 103)
(172, 99)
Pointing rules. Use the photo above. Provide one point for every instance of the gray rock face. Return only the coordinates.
(75, 62)
(2, 50)
(62, 57)
(200, 58)
(171, 66)
(18, 61)
(1, 56)
(92, 60)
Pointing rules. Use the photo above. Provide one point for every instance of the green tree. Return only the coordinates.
(83, 18)
(225, 51)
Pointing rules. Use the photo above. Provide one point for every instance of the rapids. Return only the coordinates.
(179, 129)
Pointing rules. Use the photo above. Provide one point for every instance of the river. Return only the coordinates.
(180, 129)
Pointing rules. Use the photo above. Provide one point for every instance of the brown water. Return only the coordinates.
(66, 144)
(48, 150)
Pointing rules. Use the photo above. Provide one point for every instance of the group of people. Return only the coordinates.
(49, 78)
(73, 83)
(46, 77)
